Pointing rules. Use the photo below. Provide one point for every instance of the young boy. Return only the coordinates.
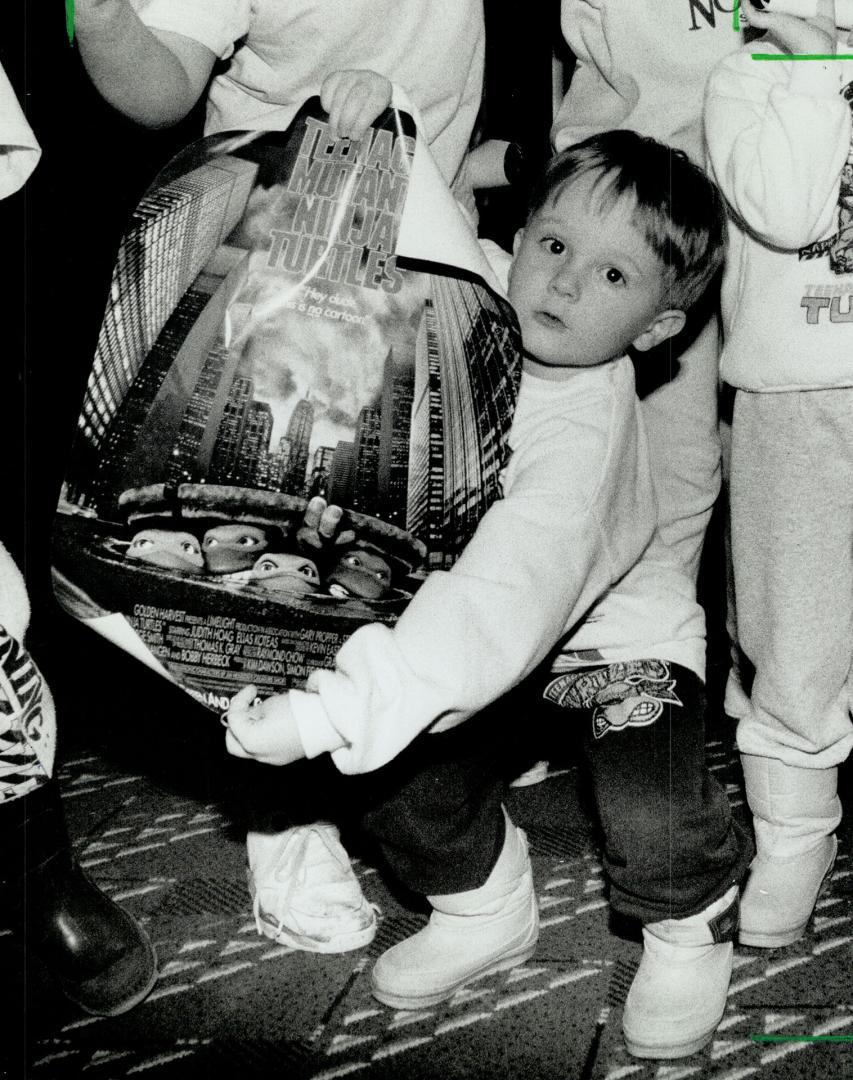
(631, 73)
(607, 261)
(779, 140)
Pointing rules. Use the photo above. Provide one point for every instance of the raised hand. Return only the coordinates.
(811, 36)
(353, 100)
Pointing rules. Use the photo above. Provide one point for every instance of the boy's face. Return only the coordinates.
(585, 283)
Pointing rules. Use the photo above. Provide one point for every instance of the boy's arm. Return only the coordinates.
(602, 96)
(537, 562)
(151, 76)
(778, 135)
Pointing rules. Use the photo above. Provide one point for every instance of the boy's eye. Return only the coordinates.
(552, 245)
(614, 276)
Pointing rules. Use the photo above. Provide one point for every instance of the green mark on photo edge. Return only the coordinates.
(736, 16)
(802, 1038)
(805, 56)
(69, 20)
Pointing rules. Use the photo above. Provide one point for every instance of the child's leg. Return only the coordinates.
(671, 845)
(792, 534)
(434, 812)
(438, 818)
(99, 956)
(672, 852)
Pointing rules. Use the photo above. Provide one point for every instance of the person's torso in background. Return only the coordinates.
(655, 57)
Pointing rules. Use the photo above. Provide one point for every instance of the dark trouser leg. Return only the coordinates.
(671, 846)
(435, 812)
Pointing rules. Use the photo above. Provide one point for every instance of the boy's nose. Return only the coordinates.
(564, 280)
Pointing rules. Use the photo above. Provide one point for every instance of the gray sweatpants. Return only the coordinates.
(792, 549)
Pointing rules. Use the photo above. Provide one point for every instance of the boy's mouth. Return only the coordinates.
(546, 318)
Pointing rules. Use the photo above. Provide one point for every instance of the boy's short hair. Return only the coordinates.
(679, 210)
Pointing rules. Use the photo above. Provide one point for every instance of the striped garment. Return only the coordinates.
(26, 729)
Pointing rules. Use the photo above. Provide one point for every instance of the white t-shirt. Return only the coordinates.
(279, 51)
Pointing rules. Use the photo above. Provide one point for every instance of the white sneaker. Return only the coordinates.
(678, 996)
(304, 891)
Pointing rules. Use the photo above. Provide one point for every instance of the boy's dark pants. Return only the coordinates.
(670, 844)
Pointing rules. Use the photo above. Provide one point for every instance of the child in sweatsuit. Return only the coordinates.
(571, 554)
(779, 142)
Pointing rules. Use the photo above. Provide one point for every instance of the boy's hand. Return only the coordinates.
(353, 100)
(801, 37)
(321, 524)
(265, 732)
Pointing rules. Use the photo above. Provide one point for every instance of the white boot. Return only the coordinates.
(678, 995)
(469, 935)
(304, 891)
(796, 812)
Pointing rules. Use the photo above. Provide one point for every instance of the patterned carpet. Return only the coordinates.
(142, 792)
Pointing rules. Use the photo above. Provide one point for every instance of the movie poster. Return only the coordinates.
(269, 341)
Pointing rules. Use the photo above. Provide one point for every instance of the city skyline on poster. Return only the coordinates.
(262, 345)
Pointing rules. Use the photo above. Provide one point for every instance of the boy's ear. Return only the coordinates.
(516, 241)
(663, 326)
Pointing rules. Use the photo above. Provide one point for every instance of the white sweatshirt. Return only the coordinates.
(279, 52)
(577, 513)
(571, 552)
(641, 64)
(779, 145)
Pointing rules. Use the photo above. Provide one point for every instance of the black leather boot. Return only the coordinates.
(99, 956)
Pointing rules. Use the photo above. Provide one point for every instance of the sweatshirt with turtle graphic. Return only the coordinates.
(779, 146)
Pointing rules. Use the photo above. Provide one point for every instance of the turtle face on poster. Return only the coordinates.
(230, 548)
(292, 574)
(362, 573)
(167, 548)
